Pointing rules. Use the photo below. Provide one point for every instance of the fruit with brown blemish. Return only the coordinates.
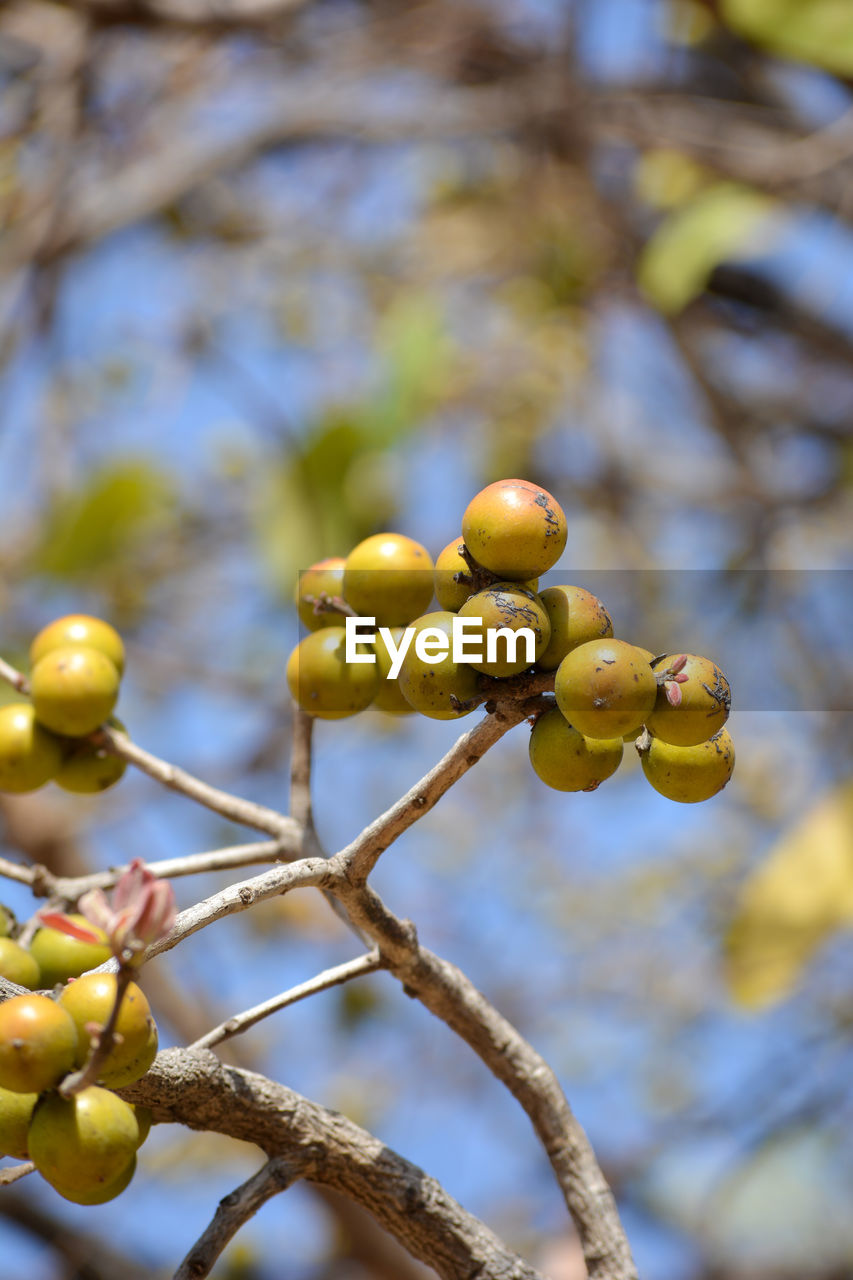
(692, 708)
(515, 529)
(74, 689)
(430, 683)
(38, 1043)
(576, 616)
(75, 630)
(388, 577)
(30, 755)
(605, 688)
(505, 609)
(323, 683)
(688, 774)
(566, 760)
(325, 578)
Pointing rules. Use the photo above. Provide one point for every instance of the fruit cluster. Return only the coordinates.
(84, 1145)
(606, 690)
(76, 667)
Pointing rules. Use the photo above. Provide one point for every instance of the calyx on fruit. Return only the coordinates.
(326, 577)
(691, 707)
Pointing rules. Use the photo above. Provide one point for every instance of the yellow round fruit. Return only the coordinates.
(96, 1192)
(429, 686)
(87, 769)
(507, 607)
(389, 697)
(38, 1044)
(689, 774)
(78, 629)
(451, 595)
(144, 1119)
(74, 689)
(390, 578)
(85, 1143)
(326, 577)
(18, 965)
(576, 616)
(515, 529)
(703, 707)
(16, 1111)
(29, 754)
(605, 687)
(321, 680)
(567, 761)
(61, 957)
(89, 1001)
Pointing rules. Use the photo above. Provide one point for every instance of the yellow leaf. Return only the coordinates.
(800, 895)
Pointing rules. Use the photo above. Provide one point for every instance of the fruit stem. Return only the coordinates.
(102, 1044)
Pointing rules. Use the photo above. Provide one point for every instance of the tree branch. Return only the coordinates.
(195, 1089)
(233, 1211)
(334, 977)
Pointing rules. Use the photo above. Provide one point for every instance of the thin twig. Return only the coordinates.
(300, 769)
(18, 1171)
(233, 1211)
(361, 856)
(333, 977)
(228, 806)
(14, 871)
(315, 872)
(13, 677)
(70, 888)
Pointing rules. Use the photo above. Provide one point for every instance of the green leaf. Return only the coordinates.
(94, 527)
(723, 222)
(817, 31)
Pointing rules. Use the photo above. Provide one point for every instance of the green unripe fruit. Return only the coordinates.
(74, 690)
(429, 686)
(507, 607)
(87, 769)
(83, 1144)
(98, 1192)
(89, 1000)
(390, 578)
(389, 698)
(576, 616)
(29, 755)
(703, 705)
(18, 965)
(567, 761)
(326, 577)
(16, 1111)
(605, 687)
(689, 774)
(323, 683)
(38, 1044)
(60, 957)
(75, 630)
(515, 529)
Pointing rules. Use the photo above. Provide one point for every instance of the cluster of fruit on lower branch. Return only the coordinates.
(607, 691)
(76, 666)
(83, 1144)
